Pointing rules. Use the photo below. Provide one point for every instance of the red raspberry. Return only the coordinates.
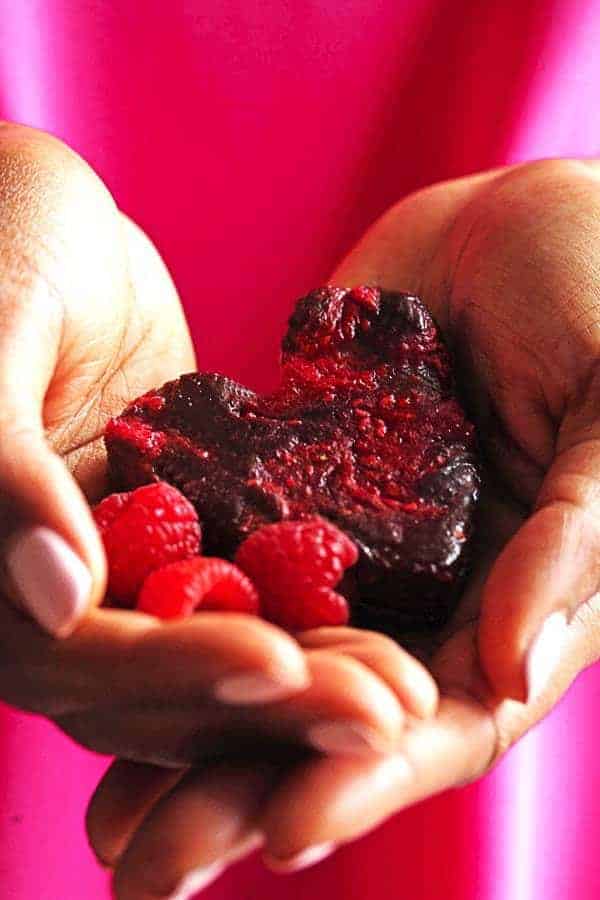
(142, 531)
(211, 583)
(295, 565)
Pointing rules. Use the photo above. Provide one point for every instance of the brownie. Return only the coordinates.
(365, 429)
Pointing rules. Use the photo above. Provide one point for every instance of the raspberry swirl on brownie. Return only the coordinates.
(365, 430)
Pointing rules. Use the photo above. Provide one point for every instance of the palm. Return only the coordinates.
(502, 274)
(144, 343)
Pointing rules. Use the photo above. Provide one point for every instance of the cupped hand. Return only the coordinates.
(508, 262)
(89, 319)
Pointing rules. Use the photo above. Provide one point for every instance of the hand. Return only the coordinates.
(508, 263)
(154, 824)
(89, 320)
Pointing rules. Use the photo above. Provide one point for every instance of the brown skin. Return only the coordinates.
(507, 262)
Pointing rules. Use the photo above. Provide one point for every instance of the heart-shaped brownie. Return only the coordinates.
(365, 429)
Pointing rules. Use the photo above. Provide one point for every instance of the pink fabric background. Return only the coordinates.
(255, 140)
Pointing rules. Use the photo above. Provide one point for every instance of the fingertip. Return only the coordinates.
(285, 648)
(520, 669)
(54, 558)
(346, 738)
(278, 666)
(327, 801)
(544, 655)
(542, 571)
(51, 581)
(355, 708)
(311, 856)
(520, 591)
(249, 688)
(72, 517)
(414, 684)
(93, 553)
(501, 661)
(123, 796)
(406, 676)
(240, 659)
(425, 697)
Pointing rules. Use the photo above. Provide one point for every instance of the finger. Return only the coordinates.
(123, 797)
(403, 674)
(326, 801)
(548, 568)
(203, 876)
(242, 659)
(128, 791)
(197, 824)
(120, 658)
(347, 709)
(59, 249)
(117, 660)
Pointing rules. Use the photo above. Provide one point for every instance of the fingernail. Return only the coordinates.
(544, 654)
(197, 881)
(250, 688)
(345, 738)
(247, 846)
(309, 857)
(53, 582)
(424, 694)
(201, 878)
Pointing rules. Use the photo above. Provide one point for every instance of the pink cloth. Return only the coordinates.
(255, 140)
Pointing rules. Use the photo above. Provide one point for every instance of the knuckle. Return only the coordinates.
(527, 234)
(36, 167)
(532, 201)
(555, 178)
(50, 199)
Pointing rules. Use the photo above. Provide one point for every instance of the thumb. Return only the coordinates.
(545, 572)
(52, 555)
